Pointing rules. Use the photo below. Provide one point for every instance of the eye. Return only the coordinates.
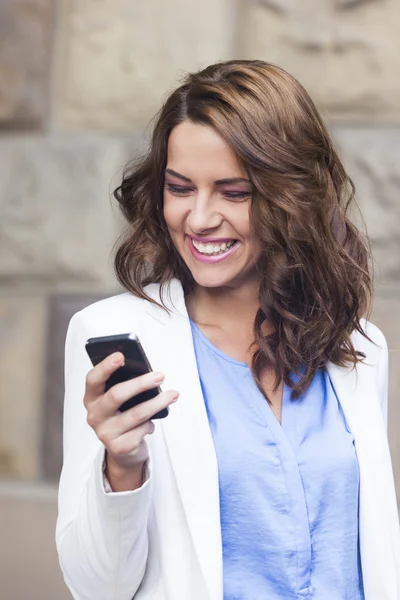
(237, 195)
(178, 190)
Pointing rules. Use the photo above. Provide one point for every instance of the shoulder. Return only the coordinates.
(115, 314)
(103, 308)
(376, 361)
(373, 332)
(374, 347)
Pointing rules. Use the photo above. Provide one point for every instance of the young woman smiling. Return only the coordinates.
(248, 287)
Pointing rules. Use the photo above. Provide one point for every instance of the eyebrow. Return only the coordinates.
(217, 182)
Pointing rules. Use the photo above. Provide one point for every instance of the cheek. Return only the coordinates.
(240, 221)
(244, 228)
(172, 213)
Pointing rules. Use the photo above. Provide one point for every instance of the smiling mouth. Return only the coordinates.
(213, 249)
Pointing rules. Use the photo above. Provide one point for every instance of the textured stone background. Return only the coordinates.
(346, 52)
(79, 81)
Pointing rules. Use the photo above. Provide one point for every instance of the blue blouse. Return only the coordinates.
(288, 493)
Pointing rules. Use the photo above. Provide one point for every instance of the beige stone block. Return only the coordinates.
(29, 567)
(372, 158)
(117, 59)
(346, 53)
(57, 221)
(25, 53)
(386, 316)
(61, 309)
(22, 331)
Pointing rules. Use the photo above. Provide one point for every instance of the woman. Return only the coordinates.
(247, 285)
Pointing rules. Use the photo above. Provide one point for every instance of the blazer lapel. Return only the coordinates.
(378, 520)
(169, 345)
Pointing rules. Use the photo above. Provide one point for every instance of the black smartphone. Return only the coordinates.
(136, 363)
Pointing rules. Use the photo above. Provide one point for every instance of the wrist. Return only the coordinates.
(123, 478)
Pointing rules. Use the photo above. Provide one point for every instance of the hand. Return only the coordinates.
(123, 433)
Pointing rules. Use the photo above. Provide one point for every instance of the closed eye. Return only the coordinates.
(178, 190)
(237, 195)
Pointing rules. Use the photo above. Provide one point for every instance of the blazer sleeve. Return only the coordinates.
(101, 537)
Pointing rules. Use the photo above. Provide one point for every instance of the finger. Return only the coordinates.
(111, 401)
(97, 377)
(139, 414)
(129, 443)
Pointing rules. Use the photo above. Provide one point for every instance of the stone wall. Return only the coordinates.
(79, 81)
(345, 52)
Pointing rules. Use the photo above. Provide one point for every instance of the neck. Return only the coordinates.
(220, 307)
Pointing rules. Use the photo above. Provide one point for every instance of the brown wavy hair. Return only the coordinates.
(315, 282)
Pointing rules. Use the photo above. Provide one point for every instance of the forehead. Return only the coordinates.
(198, 151)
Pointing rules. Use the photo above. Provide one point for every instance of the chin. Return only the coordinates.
(213, 280)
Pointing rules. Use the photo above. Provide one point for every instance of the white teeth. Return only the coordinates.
(212, 248)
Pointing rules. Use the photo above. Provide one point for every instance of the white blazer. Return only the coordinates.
(163, 541)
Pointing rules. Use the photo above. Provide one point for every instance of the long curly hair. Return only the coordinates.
(315, 280)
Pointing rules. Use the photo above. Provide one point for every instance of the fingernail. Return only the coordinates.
(118, 359)
(174, 396)
(158, 377)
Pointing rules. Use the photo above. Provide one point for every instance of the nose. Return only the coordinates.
(203, 215)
